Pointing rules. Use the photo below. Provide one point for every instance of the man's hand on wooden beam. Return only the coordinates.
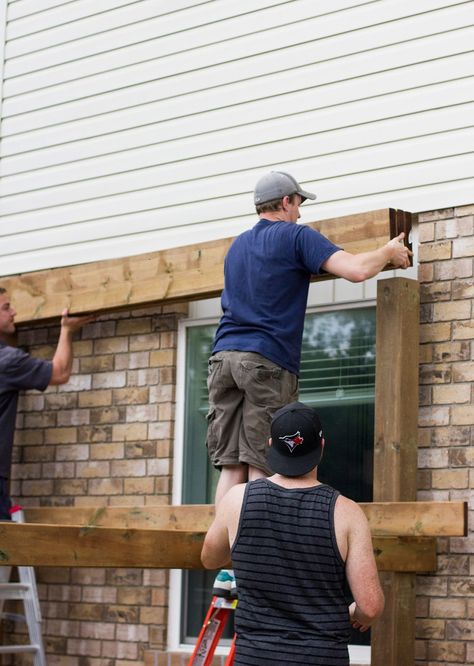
(399, 253)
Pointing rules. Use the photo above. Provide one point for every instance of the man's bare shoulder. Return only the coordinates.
(233, 497)
(349, 512)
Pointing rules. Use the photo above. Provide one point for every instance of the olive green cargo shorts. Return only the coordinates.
(245, 390)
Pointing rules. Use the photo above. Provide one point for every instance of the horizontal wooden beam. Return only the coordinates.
(417, 518)
(27, 544)
(189, 517)
(405, 554)
(385, 518)
(184, 273)
(172, 536)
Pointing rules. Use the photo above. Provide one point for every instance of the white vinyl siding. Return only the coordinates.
(132, 126)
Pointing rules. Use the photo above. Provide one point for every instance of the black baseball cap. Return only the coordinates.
(297, 435)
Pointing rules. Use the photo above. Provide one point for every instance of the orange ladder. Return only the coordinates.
(211, 631)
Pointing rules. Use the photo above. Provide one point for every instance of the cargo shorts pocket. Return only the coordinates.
(261, 372)
(211, 441)
(262, 383)
(213, 364)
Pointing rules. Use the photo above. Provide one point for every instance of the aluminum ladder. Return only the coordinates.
(25, 590)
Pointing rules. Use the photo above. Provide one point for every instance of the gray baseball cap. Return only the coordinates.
(276, 185)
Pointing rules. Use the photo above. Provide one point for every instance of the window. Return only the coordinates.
(337, 378)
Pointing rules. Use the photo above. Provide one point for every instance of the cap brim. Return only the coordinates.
(307, 195)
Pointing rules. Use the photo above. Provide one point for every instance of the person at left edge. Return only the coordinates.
(19, 371)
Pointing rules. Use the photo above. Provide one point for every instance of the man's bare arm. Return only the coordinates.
(215, 552)
(360, 267)
(62, 359)
(361, 570)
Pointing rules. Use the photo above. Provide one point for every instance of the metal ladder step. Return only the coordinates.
(26, 591)
(16, 649)
(14, 590)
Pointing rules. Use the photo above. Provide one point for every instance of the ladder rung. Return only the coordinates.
(14, 649)
(15, 591)
(25, 590)
(13, 617)
(15, 586)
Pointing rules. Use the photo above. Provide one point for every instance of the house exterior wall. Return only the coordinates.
(445, 624)
(131, 126)
(108, 436)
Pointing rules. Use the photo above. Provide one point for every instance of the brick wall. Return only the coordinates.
(445, 624)
(104, 438)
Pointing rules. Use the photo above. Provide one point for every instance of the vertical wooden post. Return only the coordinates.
(395, 452)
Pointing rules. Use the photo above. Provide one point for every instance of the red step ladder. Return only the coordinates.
(211, 631)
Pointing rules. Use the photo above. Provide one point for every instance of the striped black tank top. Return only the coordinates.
(293, 605)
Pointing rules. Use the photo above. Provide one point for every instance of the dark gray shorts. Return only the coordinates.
(245, 390)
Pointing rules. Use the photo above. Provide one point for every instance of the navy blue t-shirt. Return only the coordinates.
(18, 371)
(267, 272)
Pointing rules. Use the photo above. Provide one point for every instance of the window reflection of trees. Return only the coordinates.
(338, 353)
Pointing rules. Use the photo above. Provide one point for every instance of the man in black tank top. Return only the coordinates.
(295, 544)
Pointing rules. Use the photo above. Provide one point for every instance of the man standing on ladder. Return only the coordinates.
(294, 544)
(255, 361)
(19, 371)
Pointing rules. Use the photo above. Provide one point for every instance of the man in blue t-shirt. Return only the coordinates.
(19, 371)
(254, 366)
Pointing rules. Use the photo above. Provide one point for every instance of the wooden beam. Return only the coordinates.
(395, 452)
(92, 546)
(184, 273)
(417, 518)
(188, 517)
(405, 554)
(171, 536)
(421, 519)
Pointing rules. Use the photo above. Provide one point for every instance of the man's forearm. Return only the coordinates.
(62, 359)
(362, 266)
(369, 264)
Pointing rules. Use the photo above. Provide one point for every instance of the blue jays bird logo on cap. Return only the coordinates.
(292, 441)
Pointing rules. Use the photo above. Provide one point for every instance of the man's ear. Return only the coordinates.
(323, 442)
(269, 441)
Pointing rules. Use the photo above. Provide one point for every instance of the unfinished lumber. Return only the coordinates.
(91, 546)
(417, 518)
(420, 519)
(395, 452)
(28, 544)
(172, 536)
(184, 273)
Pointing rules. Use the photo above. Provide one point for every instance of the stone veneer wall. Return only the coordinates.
(106, 437)
(445, 624)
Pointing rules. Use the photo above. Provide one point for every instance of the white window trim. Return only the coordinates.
(359, 654)
(175, 587)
